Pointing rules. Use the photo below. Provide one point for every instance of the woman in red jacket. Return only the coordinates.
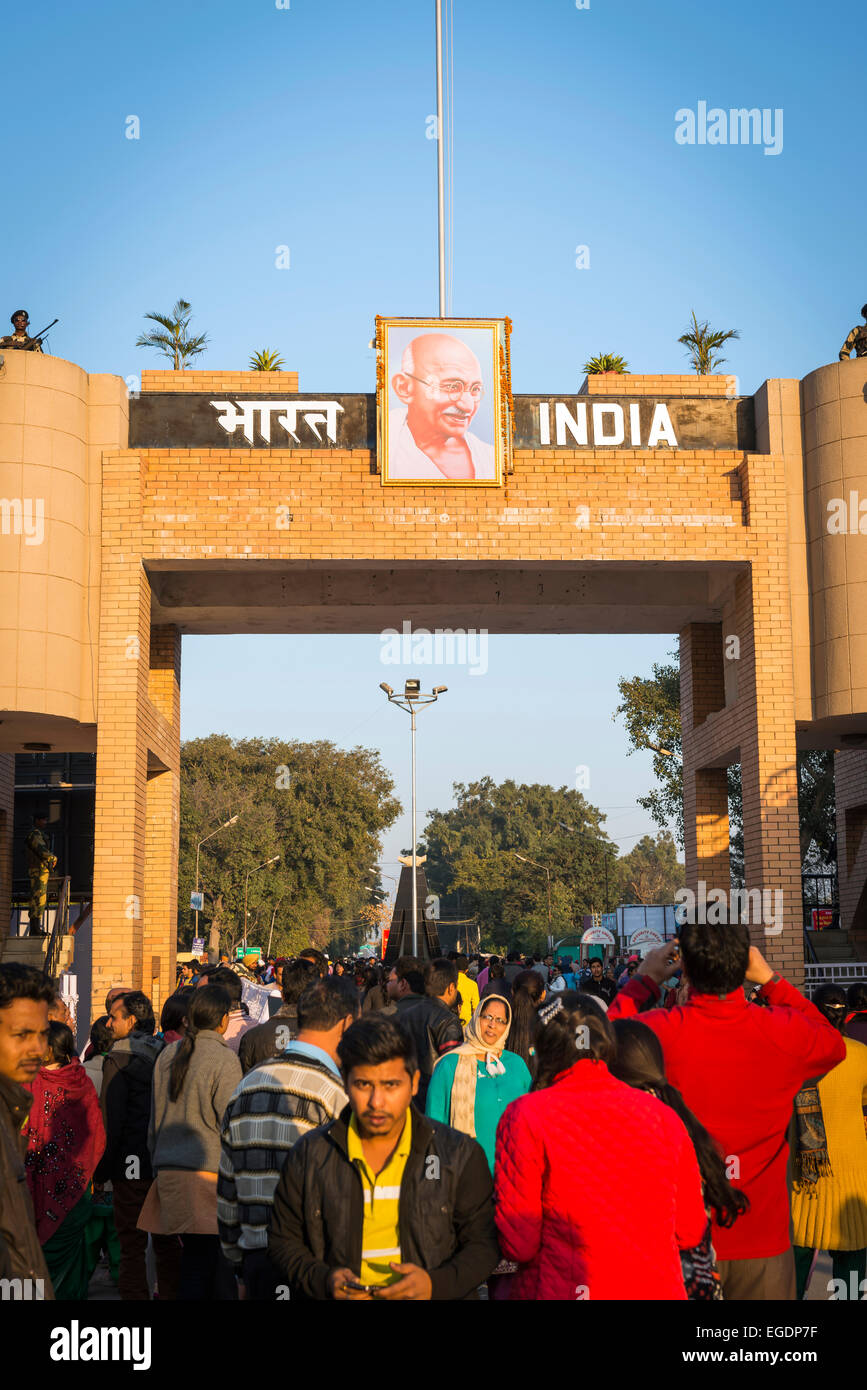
(579, 1138)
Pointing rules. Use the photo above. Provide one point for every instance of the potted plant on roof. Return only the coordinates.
(266, 361)
(702, 343)
(605, 363)
(174, 341)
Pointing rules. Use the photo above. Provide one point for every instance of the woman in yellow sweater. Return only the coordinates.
(829, 1194)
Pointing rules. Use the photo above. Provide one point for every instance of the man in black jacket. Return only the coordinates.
(432, 1024)
(383, 1202)
(25, 995)
(127, 1083)
(404, 986)
(597, 984)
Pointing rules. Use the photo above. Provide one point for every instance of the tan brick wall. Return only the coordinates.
(629, 384)
(221, 382)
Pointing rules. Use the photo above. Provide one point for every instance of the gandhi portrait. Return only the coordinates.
(441, 408)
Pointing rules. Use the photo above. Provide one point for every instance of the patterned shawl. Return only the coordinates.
(65, 1141)
(471, 1051)
(811, 1153)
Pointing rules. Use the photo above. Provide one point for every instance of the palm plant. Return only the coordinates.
(175, 341)
(605, 362)
(266, 361)
(702, 342)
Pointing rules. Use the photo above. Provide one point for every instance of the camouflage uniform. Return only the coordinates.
(21, 342)
(40, 862)
(858, 340)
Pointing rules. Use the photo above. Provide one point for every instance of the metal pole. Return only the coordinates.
(246, 882)
(550, 932)
(414, 866)
(271, 932)
(440, 174)
(198, 847)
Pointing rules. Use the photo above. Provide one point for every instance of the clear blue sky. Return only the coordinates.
(305, 127)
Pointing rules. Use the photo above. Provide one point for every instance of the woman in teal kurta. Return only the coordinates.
(472, 1085)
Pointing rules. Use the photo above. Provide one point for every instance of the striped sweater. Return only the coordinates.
(273, 1106)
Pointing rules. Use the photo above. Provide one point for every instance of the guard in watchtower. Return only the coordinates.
(40, 862)
(20, 339)
(857, 339)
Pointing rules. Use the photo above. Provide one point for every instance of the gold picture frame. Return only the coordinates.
(423, 430)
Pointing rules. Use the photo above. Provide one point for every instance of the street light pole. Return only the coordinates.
(441, 240)
(271, 932)
(414, 843)
(525, 860)
(603, 845)
(246, 885)
(411, 699)
(224, 826)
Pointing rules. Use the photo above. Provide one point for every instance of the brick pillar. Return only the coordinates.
(705, 789)
(121, 784)
(708, 852)
(163, 814)
(768, 755)
(7, 808)
(701, 673)
(121, 747)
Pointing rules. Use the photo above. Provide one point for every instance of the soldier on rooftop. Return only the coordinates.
(857, 339)
(20, 339)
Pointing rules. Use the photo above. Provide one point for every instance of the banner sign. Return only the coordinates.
(322, 420)
(822, 918)
(645, 936)
(597, 936)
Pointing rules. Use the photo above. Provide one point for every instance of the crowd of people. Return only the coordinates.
(689, 1126)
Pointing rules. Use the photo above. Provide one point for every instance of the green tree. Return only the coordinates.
(321, 808)
(471, 861)
(267, 360)
(651, 871)
(650, 707)
(651, 712)
(175, 341)
(702, 343)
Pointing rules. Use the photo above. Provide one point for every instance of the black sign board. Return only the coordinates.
(320, 420)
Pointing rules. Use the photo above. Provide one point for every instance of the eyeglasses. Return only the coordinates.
(453, 389)
(486, 1018)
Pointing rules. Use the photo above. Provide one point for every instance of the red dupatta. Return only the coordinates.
(65, 1141)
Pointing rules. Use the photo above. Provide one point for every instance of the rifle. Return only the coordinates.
(37, 337)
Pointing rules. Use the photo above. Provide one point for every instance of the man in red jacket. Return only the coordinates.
(739, 1067)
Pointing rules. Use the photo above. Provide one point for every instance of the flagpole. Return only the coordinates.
(440, 175)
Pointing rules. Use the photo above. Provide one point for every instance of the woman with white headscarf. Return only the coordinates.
(472, 1085)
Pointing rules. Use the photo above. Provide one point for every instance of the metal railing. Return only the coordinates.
(59, 929)
(836, 972)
